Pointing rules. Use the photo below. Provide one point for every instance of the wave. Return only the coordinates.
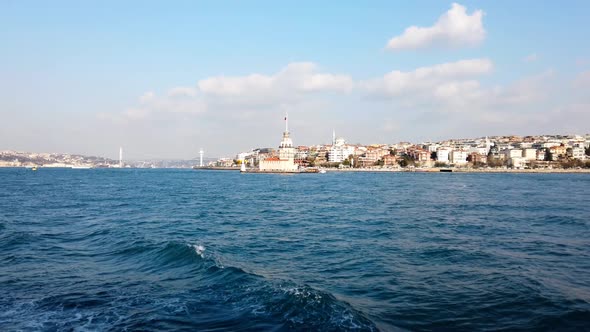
(184, 286)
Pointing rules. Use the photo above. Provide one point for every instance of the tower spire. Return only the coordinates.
(286, 122)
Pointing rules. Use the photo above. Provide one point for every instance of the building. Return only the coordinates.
(477, 159)
(339, 151)
(443, 154)
(558, 151)
(517, 162)
(512, 153)
(530, 154)
(579, 153)
(285, 162)
(418, 154)
(458, 157)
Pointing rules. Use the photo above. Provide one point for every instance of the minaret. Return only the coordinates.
(333, 137)
(121, 157)
(201, 152)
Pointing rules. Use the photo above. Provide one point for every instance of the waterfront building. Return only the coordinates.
(301, 153)
(517, 162)
(477, 158)
(579, 153)
(339, 151)
(442, 154)
(390, 160)
(458, 157)
(530, 154)
(285, 162)
(558, 151)
(512, 153)
(418, 154)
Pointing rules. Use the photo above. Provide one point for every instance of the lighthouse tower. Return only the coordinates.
(285, 162)
(286, 150)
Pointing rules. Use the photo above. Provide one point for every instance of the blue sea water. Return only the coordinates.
(157, 250)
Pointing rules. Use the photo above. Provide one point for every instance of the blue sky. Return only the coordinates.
(86, 77)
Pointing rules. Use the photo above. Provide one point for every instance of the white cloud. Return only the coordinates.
(454, 28)
(442, 81)
(531, 58)
(182, 91)
(146, 97)
(289, 83)
(582, 80)
(248, 94)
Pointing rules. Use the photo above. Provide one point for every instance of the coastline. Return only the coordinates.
(365, 170)
(460, 170)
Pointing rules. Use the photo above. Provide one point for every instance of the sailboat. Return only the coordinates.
(243, 167)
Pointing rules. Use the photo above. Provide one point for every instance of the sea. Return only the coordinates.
(198, 250)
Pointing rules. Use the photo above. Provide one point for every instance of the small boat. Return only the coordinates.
(322, 171)
(34, 168)
(243, 167)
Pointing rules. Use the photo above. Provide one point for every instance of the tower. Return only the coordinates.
(286, 150)
(333, 137)
(121, 157)
(201, 152)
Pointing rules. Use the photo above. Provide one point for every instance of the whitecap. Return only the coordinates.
(199, 249)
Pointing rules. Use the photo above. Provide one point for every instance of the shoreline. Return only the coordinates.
(360, 170)
(462, 170)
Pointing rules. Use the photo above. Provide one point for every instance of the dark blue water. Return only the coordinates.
(204, 250)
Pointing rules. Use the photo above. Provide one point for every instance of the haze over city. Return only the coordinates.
(166, 79)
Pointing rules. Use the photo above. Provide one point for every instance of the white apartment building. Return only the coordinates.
(442, 155)
(530, 154)
(479, 150)
(579, 153)
(459, 157)
(340, 151)
(518, 162)
(432, 147)
(512, 153)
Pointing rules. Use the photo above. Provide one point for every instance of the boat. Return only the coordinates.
(322, 171)
(81, 167)
(243, 167)
(34, 168)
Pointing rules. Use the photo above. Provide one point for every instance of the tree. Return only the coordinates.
(588, 151)
(433, 155)
(406, 161)
(548, 155)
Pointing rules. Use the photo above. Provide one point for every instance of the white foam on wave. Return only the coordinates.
(199, 249)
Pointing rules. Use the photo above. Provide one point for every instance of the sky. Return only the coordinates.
(164, 79)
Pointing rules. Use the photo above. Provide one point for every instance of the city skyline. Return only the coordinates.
(88, 78)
